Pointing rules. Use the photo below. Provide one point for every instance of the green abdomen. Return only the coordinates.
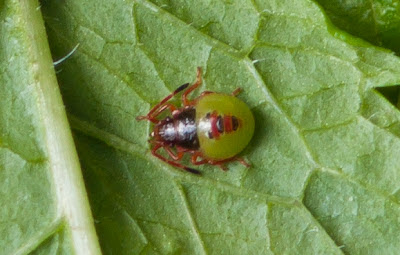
(225, 125)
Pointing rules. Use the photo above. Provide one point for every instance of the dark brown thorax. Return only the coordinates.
(179, 129)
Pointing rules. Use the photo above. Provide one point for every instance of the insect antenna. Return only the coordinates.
(182, 87)
(162, 102)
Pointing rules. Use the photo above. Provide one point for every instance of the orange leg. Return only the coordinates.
(175, 157)
(194, 101)
(243, 162)
(236, 92)
(183, 149)
(194, 159)
(221, 163)
(153, 116)
(205, 93)
(186, 101)
(172, 163)
(158, 108)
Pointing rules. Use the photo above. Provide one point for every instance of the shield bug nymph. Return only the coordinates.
(213, 128)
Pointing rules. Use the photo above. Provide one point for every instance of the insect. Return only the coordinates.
(213, 128)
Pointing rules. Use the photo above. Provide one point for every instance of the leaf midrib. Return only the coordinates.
(70, 196)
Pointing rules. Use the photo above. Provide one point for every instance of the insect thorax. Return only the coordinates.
(180, 129)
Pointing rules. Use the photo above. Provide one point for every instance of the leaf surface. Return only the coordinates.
(44, 208)
(324, 176)
(376, 21)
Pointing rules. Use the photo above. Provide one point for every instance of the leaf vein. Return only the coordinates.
(40, 237)
(192, 221)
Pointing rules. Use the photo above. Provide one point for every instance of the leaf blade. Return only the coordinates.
(301, 81)
(48, 186)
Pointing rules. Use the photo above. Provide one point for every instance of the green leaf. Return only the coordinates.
(44, 209)
(377, 21)
(325, 172)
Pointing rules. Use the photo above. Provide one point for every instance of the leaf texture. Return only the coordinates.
(376, 21)
(44, 208)
(325, 172)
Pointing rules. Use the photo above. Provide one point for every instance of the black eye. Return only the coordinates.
(220, 124)
(235, 123)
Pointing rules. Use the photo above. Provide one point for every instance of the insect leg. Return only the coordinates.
(243, 162)
(205, 161)
(205, 93)
(156, 109)
(153, 116)
(175, 157)
(236, 92)
(194, 159)
(221, 163)
(172, 163)
(186, 101)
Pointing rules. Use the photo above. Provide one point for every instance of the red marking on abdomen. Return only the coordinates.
(222, 124)
(214, 128)
(228, 124)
